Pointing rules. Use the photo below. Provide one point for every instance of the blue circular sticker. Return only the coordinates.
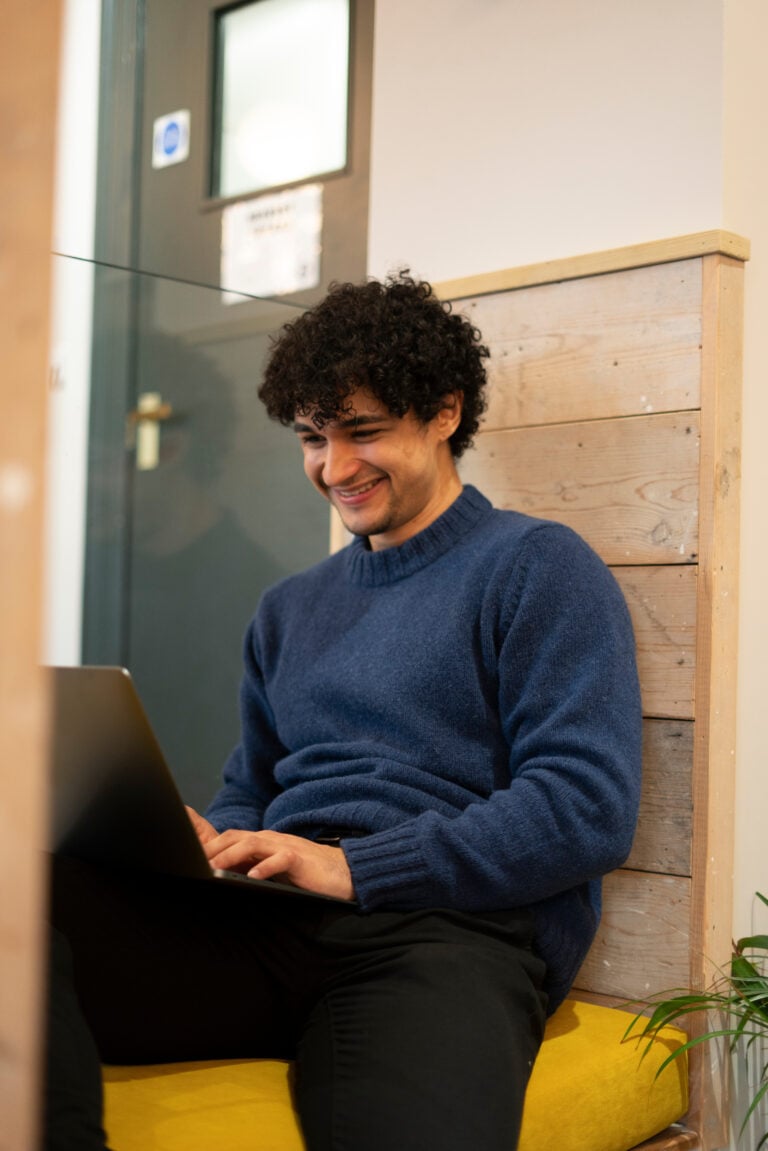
(171, 137)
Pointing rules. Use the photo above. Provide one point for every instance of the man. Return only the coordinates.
(440, 730)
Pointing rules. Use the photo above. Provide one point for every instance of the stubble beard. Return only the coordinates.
(386, 521)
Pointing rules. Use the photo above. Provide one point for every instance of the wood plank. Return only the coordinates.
(662, 604)
(673, 1139)
(622, 344)
(628, 486)
(663, 838)
(29, 55)
(714, 751)
(717, 639)
(692, 246)
(642, 944)
(619, 1001)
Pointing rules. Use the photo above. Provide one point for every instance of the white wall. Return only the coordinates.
(508, 132)
(745, 210)
(71, 330)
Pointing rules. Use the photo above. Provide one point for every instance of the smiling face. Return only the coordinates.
(389, 477)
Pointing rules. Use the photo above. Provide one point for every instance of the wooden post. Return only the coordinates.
(29, 58)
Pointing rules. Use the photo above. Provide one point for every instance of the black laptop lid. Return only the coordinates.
(114, 801)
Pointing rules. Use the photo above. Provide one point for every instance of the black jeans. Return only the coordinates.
(408, 1029)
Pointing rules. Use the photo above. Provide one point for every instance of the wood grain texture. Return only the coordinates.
(674, 1139)
(29, 52)
(628, 343)
(715, 687)
(663, 838)
(642, 944)
(691, 246)
(717, 638)
(628, 486)
(662, 605)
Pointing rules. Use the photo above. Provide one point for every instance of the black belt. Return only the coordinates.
(332, 836)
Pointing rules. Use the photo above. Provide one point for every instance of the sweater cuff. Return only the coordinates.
(388, 868)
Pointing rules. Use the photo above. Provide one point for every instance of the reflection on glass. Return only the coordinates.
(282, 93)
(179, 546)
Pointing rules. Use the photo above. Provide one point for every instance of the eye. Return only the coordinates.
(311, 441)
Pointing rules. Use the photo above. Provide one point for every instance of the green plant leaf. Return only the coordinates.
(726, 1033)
(742, 968)
(753, 943)
(669, 1012)
(737, 996)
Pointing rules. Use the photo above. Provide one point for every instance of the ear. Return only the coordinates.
(448, 417)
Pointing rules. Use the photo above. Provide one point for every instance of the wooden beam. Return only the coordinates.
(673, 1139)
(29, 54)
(596, 263)
(714, 750)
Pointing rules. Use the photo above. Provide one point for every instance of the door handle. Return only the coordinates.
(144, 428)
(150, 407)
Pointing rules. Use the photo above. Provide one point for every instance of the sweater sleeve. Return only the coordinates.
(569, 704)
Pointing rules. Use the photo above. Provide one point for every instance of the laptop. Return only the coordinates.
(114, 801)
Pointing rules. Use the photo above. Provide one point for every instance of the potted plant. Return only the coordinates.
(736, 1001)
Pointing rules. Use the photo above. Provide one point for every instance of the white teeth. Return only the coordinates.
(346, 494)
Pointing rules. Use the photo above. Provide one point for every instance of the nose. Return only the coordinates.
(339, 463)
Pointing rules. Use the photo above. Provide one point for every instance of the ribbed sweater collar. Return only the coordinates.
(373, 569)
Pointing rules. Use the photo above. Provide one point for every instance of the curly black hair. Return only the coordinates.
(394, 338)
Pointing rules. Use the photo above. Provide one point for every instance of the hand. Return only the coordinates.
(274, 855)
(204, 830)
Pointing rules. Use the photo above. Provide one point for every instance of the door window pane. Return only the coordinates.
(281, 108)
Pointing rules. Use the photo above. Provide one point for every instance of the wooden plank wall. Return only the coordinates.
(613, 408)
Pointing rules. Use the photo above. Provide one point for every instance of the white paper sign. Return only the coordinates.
(270, 245)
(170, 139)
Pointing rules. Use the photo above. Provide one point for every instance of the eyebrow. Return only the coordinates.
(349, 422)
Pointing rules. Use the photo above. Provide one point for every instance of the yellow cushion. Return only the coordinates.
(243, 1105)
(588, 1092)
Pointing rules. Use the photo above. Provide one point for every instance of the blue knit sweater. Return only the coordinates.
(470, 700)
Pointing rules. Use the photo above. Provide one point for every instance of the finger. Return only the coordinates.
(259, 843)
(235, 855)
(215, 844)
(203, 829)
(279, 863)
